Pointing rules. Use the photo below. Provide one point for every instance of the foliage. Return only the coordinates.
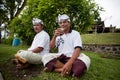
(83, 14)
(7, 41)
(117, 30)
(24, 30)
(8, 9)
(3, 15)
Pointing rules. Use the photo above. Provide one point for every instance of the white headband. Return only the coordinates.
(36, 21)
(63, 17)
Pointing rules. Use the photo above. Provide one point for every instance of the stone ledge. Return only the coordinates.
(103, 44)
(102, 48)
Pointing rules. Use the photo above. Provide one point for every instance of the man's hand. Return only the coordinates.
(58, 32)
(66, 69)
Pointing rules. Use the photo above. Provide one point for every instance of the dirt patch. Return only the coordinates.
(10, 72)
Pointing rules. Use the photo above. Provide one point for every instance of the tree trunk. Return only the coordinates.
(21, 8)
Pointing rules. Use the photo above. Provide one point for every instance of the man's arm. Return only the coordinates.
(37, 50)
(56, 33)
(52, 42)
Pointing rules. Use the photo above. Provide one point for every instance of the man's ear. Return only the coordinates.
(42, 26)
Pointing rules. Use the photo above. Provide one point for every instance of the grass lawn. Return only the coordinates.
(100, 69)
(101, 38)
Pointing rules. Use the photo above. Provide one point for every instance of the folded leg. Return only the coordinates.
(78, 68)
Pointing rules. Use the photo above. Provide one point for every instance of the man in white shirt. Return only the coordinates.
(68, 60)
(38, 48)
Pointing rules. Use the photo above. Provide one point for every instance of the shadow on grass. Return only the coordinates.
(10, 72)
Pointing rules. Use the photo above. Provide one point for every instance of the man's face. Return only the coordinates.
(37, 27)
(64, 24)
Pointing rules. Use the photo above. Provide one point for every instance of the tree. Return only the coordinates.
(83, 14)
(3, 11)
(10, 9)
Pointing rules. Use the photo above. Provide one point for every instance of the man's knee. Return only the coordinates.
(47, 58)
(51, 64)
(78, 68)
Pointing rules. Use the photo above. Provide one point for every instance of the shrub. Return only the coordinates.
(7, 41)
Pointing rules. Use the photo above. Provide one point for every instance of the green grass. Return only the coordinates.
(101, 38)
(100, 69)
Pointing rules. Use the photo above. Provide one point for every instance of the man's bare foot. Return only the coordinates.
(55, 70)
(45, 69)
(22, 66)
(58, 70)
(15, 61)
(58, 64)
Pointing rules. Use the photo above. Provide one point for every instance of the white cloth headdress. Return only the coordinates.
(63, 17)
(36, 21)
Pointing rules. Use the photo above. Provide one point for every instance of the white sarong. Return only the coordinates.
(49, 57)
(28, 56)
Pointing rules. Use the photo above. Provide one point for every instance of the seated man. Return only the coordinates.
(68, 60)
(39, 47)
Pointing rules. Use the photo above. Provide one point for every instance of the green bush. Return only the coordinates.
(7, 41)
(117, 30)
(82, 15)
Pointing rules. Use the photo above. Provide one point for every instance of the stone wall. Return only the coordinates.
(99, 48)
